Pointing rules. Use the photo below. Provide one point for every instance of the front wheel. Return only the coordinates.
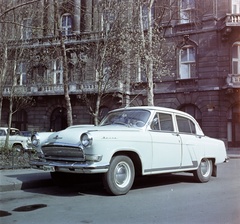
(120, 176)
(17, 148)
(204, 171)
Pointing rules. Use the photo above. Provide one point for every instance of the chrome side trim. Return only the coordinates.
(179, 169)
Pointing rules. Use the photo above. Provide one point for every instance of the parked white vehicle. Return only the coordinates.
(16, 139)
(129, 141)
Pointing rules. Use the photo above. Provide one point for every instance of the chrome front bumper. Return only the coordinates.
(70, 167)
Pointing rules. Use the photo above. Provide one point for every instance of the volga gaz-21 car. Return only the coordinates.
(17, 140)
(129, 141)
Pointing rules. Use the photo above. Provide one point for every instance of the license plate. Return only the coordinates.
(49, 168)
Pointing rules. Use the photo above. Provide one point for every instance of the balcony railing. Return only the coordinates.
(40, 90)
(233, 80)
(55, 40)
(232, 20)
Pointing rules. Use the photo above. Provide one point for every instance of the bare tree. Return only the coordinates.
(107, 53)
(11, 23)
(65, 66)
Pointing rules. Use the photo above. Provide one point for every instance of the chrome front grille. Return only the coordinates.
(63, 153)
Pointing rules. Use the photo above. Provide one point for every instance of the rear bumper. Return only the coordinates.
(73, 167)
(226, 159)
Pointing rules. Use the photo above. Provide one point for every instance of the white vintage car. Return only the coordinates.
(16, 139)
(135, 140)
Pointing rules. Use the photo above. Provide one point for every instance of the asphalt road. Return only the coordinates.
(156, 199)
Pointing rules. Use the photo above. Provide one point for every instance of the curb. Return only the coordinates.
(12, 180)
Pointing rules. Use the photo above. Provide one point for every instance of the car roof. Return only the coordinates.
(5, 128)
(154, 108)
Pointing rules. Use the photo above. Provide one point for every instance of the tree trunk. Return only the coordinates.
(65, 69)
(3, 76)
(11, 105)
(150, 95)
(65, 84)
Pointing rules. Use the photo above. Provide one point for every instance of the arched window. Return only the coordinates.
(19, 120)
(187, 62)
(66, 24)
(236, 58)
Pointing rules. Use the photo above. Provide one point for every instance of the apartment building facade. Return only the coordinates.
(203, 78)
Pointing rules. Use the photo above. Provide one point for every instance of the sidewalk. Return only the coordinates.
(21, 179)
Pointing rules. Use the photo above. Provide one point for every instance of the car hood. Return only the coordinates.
(72, 134)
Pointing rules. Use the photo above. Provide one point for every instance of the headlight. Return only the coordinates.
(86, 139)
(35, 140)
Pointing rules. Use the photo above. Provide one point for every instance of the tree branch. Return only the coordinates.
(18, 6)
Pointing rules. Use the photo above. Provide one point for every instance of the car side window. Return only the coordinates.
(2, 133)
(185, 125)
(162, 122)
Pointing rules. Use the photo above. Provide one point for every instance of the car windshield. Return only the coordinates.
(135, 118)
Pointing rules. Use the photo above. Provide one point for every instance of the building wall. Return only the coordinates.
(207, 91)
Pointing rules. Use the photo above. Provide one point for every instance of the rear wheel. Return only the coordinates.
(204, 171)
(120, 176)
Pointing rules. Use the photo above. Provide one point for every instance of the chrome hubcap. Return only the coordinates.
(205, 168)
(122, 174)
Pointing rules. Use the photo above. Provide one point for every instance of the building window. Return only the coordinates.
(38, 74)
(21, 78)
(108, 19)
(27, 29)
(55, 75)
(187, 62)
(145, 11)
(235, 6)
(236, 58)
(187, 8)
(66, 24)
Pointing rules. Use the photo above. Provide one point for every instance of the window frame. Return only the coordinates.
(55, 69)
(67, 28)
(21, 75)
(26, 31)
(235, 6)
(188, 63)
(158, 117)
(144, 14)
(237, 59)
(186, 13)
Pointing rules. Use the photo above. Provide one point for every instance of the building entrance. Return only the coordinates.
(58, 120)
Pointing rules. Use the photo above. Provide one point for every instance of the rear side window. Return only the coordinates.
(162, 122)
(185, 125)
(2, 133)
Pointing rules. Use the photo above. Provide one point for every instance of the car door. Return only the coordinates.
(166, 144)
(191, 142)
(2, 137)
(14, 137)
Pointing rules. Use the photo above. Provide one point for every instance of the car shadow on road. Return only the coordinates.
(92, 184)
